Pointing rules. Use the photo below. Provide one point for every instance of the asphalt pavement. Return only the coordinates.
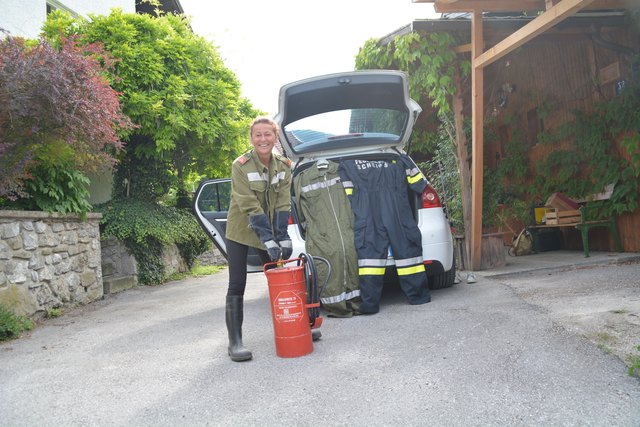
(477, 355)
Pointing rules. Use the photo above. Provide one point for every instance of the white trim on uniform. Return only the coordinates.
(257, 176)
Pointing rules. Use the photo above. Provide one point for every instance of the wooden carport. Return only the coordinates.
(551, 12)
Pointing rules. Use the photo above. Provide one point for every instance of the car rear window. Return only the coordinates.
(346, 128)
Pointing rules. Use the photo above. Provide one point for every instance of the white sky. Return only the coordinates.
(269, 44)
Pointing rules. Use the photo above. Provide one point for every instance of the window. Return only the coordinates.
(346, 128)
(53, 5)
(215, 197)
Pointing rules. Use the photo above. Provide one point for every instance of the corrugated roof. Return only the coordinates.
(462, 22)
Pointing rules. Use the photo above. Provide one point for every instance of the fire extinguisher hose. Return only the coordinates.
(311, 281)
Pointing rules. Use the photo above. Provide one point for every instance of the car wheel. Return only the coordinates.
(443, 280)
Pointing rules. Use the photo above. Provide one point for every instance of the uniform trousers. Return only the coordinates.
(237, 259)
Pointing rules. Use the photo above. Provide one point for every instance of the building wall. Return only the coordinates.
(100, 187)
(541, 84)
(24, 18)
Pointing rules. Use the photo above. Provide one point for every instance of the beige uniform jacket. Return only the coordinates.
(256, 189)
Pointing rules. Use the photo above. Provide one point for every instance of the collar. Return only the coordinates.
(258, 163)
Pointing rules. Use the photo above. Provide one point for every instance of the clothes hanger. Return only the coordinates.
(322, 164)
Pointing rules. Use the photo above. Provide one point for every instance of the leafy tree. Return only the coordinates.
(191, 122)
(58, 117)
(175, 87)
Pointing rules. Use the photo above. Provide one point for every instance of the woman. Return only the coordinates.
(258, 217)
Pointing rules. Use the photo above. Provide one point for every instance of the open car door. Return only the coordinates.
(211, 206)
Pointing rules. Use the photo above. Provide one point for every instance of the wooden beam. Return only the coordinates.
(539, 25)
(442, 6)
(463, 48)
(489, 5)
(477, 138)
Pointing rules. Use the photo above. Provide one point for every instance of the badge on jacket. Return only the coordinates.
(243, 158)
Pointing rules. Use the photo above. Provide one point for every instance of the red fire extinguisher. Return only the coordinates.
(295, 303)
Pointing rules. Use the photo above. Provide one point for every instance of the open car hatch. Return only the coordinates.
(350, 111)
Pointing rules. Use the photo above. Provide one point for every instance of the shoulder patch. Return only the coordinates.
(283, 160)
(243, 158)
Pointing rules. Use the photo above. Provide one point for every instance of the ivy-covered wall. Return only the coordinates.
(562, 117)
(120, 268)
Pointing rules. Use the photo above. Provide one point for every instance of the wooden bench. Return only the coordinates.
(584, 225)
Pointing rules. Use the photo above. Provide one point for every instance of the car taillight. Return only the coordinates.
(291, 222)
(430, 198)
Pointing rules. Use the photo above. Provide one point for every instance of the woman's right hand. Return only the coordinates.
(287, 248)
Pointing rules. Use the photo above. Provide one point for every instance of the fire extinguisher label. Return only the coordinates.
(288, 307)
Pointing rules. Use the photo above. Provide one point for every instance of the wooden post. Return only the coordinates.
(477, 157)
(550, 3)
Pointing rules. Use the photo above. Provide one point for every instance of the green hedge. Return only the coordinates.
(11, 325)
(146, 228)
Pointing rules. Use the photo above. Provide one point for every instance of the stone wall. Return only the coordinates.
(173, 261)
(211, 257)
(48, 260)
(119, 267)
(51, 261)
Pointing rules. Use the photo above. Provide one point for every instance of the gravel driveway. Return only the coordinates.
(601, 303)
(505, 351)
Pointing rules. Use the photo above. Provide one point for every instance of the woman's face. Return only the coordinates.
(263, 138)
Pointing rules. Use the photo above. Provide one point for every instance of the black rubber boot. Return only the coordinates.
(234, 315)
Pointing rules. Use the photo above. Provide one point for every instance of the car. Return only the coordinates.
(361, 115)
